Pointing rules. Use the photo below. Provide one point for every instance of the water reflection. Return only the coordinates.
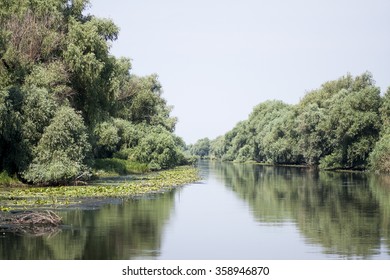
(380, 187)
(128, 230)
(346, 213)
(240, 211)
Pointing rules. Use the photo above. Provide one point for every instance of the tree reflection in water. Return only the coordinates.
(348, 214)
(127, 230)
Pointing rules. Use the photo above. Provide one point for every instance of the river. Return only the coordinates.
(238, 211)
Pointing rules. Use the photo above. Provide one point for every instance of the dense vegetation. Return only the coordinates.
(70, 196)
(345, 124)
(65, 100)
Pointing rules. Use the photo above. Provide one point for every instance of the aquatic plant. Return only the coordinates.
(54, 197)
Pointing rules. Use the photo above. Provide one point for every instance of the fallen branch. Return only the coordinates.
(38, 218)
(33, 223)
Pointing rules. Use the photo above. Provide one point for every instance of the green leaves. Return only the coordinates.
(201, 148)
(61, 152)
(38, 109)
(335, 126)
(380, 157)
(43, 196)
(140, 101)
(157, 147)
(53, 77)
(352, 122)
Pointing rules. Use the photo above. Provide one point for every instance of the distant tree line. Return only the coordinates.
(65, 100)
(345, 124)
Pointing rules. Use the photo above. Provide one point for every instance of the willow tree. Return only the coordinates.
(380, 156)
(55, 62)
(335, 126)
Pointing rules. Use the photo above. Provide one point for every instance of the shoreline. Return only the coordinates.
(56, 198)
(305, 166)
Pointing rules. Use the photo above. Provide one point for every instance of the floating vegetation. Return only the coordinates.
(55, 197)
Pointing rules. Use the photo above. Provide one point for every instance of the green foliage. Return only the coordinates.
(385, 110)
(201, 148)
(142, 142)
(264, 122)
(158, 149)
(12, 149)
(279, 143)
(7, 180)
(38, 110)
(335, 126)
(230, 144)
(47, 196)
(91, 68)
(140, 101)
(217, 147)
(61, 152)
(380, 156)
(267, 136)
(119, 166)
(107, 139)
(32, 33)
(353, 123)
(245, 153)
(311, 139)
(54, 62)
(53, 77)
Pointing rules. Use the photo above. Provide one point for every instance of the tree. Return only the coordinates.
(107, 139)
(140, 101)
(379, 159)
(352, 123)
(38, 110)
(12, 149)
(335, 126)
(33, 33)
(61, 153)
(217, 147)
(201, 148)
(380, 156)
(158, 148)
(385, 110)
(261, 122)
(312, 137)
(55, 61)
(54, 78)
(91, 67)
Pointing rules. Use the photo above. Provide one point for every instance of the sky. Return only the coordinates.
(217, 59)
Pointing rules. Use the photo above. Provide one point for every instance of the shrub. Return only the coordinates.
(380, 157)
(107, 139)
(61, 152)
(120, 166)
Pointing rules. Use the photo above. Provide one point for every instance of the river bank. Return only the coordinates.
(23, 198)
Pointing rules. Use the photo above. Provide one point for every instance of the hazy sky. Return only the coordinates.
(217, 59)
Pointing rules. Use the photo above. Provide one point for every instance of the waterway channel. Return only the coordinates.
(237, 211)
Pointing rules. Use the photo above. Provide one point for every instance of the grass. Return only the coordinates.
(7, 180)
(54, 197)
(116, 166)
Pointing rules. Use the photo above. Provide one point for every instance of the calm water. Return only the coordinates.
(237, 212)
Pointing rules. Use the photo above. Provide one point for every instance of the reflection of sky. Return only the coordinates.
(210, 222)
(214, 220)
